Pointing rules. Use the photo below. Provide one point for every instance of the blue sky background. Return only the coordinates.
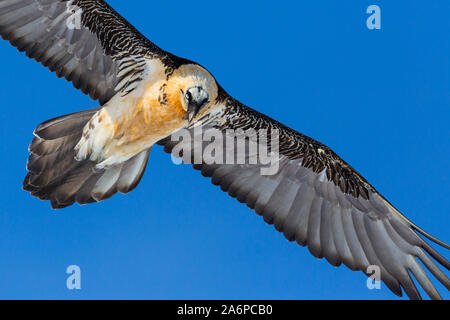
(380, 99)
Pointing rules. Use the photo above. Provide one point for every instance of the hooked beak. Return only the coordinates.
(197, 98)
(192, 111)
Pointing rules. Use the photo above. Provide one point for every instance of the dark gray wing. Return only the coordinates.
(318, 200)
(84, 41)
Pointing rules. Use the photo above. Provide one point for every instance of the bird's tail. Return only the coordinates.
(55, 175)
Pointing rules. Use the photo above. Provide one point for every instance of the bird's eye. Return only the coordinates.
(188, 96)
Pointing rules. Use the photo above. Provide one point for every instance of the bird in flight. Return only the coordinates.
(147, 95)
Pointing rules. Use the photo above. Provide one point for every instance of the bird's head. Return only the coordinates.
(195, 99)
(194, 89)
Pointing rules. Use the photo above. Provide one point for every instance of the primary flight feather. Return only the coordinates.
(148, 95)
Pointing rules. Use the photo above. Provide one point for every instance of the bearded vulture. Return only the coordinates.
(147, 96)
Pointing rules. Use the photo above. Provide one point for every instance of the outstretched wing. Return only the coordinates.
(84, 41)
(316, 199)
